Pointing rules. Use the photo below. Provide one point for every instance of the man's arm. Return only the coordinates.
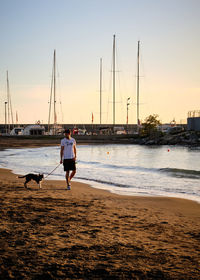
(75, 151)
(61, 154)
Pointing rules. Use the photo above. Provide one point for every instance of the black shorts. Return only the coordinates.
(69, 164)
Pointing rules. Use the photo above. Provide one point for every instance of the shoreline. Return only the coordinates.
(105, 192)
(88, 233)
(91, 185)
(89, 188)
(39, 144)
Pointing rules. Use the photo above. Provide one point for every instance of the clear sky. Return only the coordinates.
(82, 31)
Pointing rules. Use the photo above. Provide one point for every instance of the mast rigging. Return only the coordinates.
(53, 94)
(113, 70)
(9, 105)
(138, 84)
(100, 89)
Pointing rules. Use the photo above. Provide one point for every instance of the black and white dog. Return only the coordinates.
(31, 176)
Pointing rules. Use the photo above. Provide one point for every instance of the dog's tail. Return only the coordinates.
(21, 176)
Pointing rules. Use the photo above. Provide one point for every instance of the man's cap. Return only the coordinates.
(67, 131)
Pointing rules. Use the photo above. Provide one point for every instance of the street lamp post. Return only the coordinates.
(127, 104)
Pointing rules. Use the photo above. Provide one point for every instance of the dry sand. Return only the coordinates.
(88, 233)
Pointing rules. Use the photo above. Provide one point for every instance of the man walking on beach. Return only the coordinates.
(68, 156)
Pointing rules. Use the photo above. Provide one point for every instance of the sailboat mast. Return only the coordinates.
(10, 113)
(100, 88)
(50, 101)
(54, 88)
(138, 83)
(114, 79)
(8, 103)
(6, 116)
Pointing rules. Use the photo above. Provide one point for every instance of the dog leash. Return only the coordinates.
(52, 171)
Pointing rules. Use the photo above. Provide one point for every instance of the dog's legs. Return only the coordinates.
(40, 185)
(25, 183)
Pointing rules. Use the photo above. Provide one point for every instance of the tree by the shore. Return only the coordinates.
(150, 125)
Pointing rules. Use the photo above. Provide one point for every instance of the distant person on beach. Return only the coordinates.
(68, 156)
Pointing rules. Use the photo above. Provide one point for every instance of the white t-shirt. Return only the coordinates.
(68, 148)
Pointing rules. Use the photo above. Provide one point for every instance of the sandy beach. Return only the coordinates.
(88, 233)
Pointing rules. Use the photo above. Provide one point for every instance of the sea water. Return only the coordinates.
(123, 169)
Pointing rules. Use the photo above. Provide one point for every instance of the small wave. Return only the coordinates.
(118, 166)
(104, 182)
(182, 173)
(175, 172)
(131, 167)
(89, 162)
(10, 155)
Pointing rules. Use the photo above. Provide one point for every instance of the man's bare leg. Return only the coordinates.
(67, 177)
(72, 175)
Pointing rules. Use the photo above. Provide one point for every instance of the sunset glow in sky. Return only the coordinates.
(82, 31)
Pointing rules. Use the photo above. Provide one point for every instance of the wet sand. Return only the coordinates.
(88, 233)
